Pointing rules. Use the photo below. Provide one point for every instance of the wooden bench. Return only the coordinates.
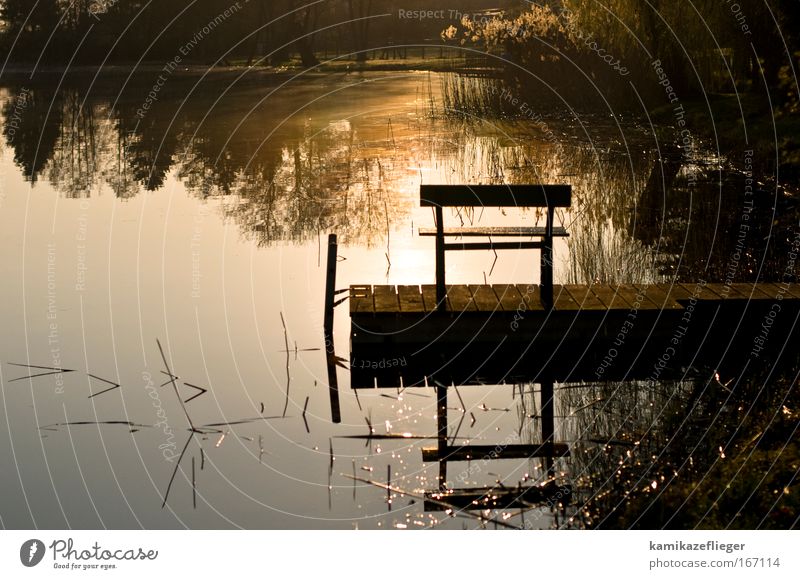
(548, 196)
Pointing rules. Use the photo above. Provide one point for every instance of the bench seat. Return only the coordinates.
(494, 231)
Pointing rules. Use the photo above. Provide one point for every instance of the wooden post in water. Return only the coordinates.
(441, 292)
(327, 324)
(330, 285)
(333, 382)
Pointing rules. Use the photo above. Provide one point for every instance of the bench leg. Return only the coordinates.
(547, 262)
(441, 293)
(547, 273)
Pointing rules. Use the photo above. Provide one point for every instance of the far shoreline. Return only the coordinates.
(293, 68)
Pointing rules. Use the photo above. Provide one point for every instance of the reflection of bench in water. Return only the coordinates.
(482, 498)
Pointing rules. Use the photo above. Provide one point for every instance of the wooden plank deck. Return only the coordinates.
(410, 298)
(609, 296)
(501, 333)
(383, 299)
(386, 299)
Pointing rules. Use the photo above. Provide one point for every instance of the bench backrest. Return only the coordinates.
(495, 195)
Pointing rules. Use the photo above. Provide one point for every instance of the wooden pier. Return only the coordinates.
(489, 334)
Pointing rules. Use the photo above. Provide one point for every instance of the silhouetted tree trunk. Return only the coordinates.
(260, 14)
(305, 37)
(32, 125)
(360, 10)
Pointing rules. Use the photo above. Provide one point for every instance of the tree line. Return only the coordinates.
(253, 31)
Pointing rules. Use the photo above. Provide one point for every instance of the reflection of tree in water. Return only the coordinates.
(118, 173)
(288, 186)
(325, 182)
(645, 219)
(148, 149)
(711, 221)
(70, 140)
(36, 112)
(85, 140)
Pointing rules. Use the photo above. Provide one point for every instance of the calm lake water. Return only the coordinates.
(197, 220)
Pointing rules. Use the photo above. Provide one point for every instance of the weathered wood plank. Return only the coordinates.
(791, 290)
(460, 299)
(659, 297)
(707, 292)
(562, 301)
(734, 294)
(635, 298)
(700, 292)
(772, 290)
(714, 289)
(609, 297)
(571, 297)
(751, 290)
(585, 297)
(508, 295)
(386, 300)
(492, 245)
(723, 292)
(484, 297)
(675, 291)
(429, 297)
(531, 296)
(410, 299)
(695, 290)
(361, 300)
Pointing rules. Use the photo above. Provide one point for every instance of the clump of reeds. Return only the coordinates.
(601, 255)
(464, 95)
